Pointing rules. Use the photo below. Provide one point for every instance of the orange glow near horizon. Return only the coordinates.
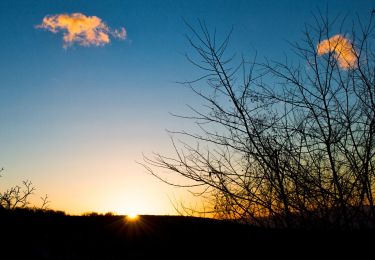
(132, 217)
(342, 48)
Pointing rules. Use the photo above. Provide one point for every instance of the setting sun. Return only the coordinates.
(132, 216)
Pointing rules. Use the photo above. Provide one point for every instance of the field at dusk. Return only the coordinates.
(55, 236)
(130, 127)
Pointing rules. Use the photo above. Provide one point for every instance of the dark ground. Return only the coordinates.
(36, 235)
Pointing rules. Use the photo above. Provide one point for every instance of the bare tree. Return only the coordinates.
(19, 196)
(283, 144)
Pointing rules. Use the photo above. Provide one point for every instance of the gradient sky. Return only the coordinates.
(76, 120)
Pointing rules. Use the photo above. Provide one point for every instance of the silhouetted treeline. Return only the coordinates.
(36, 234)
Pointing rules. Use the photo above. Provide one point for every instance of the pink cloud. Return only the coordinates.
(342, 48)
(81, 29)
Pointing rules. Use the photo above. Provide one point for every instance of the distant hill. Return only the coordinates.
(53, 235)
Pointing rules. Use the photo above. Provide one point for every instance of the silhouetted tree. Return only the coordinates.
(283, 144)
(19, 196)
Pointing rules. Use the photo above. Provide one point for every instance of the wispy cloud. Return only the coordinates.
(342, 48)
(81, 29)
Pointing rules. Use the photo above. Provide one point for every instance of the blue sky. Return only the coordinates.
(75, 120)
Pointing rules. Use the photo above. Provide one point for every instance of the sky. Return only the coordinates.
(79, 107)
